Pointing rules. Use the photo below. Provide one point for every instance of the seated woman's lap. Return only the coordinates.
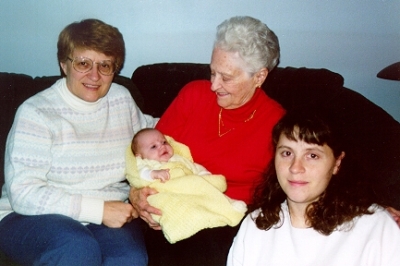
(121, 246)
(207, 247)
(59, 240)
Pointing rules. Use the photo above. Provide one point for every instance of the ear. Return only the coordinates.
(63, 66)
(260, 76)
(338, 162)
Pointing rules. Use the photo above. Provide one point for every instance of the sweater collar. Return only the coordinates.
(75, 102)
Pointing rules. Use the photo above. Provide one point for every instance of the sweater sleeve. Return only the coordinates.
(91, 210)
(144, 170)
(28, 159)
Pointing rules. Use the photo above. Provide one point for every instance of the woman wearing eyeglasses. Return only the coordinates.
(64, 201)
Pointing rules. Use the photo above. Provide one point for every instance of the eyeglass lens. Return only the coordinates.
(83, 65)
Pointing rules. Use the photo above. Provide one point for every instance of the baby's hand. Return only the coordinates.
(162, 174)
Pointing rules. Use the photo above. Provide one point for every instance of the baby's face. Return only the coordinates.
(154, 146)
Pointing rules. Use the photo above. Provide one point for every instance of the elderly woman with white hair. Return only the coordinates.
(227, 123)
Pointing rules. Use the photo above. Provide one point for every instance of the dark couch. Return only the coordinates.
(373, 136)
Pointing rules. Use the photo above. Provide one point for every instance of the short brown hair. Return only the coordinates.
(92, 34)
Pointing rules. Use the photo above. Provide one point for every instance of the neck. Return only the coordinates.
(297, 214)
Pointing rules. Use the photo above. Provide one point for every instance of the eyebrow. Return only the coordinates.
(316, 148)
(222, 73)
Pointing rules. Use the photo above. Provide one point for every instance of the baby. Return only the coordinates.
(189, 197)
(152, 151)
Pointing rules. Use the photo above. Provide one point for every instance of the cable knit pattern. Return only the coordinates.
(66, 156)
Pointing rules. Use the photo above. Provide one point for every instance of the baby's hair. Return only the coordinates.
(135, 141)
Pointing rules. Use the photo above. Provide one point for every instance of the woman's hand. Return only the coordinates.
(117, 213)
(395, 213)
(138, 199)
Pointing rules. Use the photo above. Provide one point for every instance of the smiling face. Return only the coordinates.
(152, 145)
(304, 170)
(234, 87)
(90, 86)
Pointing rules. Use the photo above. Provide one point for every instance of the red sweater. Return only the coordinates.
(243, 153)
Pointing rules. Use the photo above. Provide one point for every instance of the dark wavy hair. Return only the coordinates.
(91, 34)
(346, 196)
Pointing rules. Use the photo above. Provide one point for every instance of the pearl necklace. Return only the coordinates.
(221, 123)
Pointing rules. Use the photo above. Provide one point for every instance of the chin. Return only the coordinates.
(222, 103)
(91, 100)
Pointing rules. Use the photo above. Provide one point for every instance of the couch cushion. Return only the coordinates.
(297, 86)
(160, 83)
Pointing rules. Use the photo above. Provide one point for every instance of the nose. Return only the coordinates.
(161, 148)
(215, 82)
(94, 74)
(296, 166)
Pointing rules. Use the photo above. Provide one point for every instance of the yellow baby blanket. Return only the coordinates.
(189, 203)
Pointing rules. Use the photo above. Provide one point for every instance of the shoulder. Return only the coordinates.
(118, 90)
(194, 95)
(48, 98)
(381, 233)
(380, 220)
(201, 83)
(196, 87)
(119, 97)
(381, 214)
(47, 94)
(248, 223)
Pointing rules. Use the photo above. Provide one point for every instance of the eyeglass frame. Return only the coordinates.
(98, 69)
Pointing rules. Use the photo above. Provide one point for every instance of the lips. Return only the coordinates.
(298, 183)
(221, 94)
(90, 86)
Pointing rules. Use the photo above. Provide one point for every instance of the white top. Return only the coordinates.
(67, 156)
(374, 240)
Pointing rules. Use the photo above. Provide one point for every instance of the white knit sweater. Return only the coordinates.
(67, 156)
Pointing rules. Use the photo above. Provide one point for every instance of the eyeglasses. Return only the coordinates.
(84, 64)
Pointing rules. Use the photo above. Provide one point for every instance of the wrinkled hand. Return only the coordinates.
(138, 199)
(395, 213)
(118, 213)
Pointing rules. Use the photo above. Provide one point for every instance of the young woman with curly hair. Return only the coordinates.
(311, 209)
